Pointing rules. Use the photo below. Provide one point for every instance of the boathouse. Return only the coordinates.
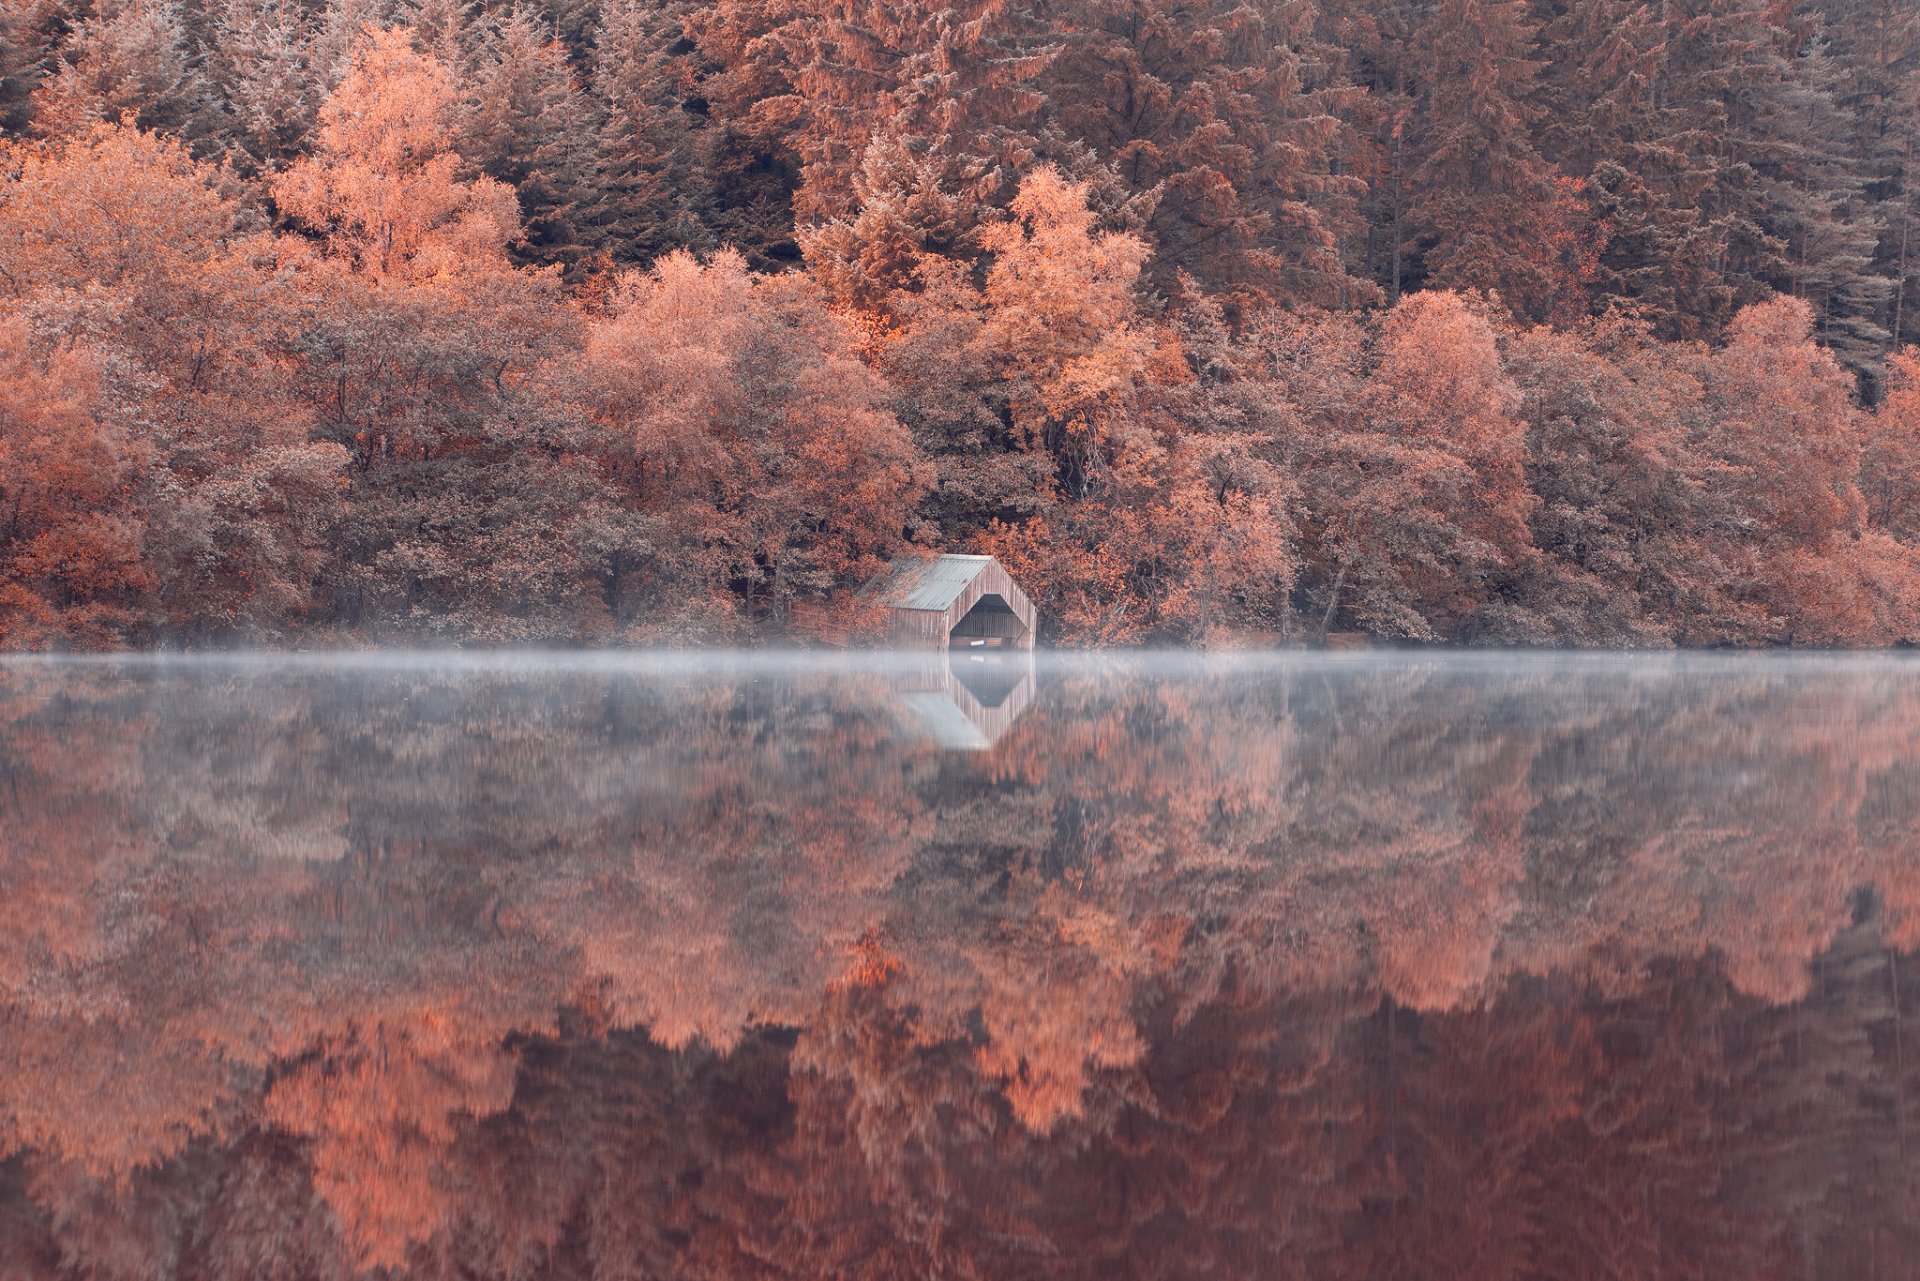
(956, 602)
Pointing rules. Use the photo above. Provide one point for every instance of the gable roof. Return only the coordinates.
(930, 584)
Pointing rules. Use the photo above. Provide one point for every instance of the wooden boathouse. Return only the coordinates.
(956, 602)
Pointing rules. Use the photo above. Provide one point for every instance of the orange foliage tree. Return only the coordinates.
(383, 184)
(1160, 515)
(1779, 422)
(1410, 452)
(752, 444)
(71, 563)
(119, 241)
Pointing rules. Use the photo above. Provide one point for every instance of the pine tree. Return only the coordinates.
(1819, 207)
(905, 217)
(260, 67)
(24, 40)
(653, 189)
(1752, 122)
(953, 83)
(1610, 120)
(1371, 34)
(527, 125)
(343, 30)
(1224, 114)
(443, 30)
(1462, 196)
(130, 57)
(1481, 193)
(1874, 46)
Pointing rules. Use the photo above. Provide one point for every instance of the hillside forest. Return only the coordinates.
(674, 321)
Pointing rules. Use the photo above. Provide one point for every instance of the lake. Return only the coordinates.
(1371, 965)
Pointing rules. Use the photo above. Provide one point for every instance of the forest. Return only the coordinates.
(1220, 322)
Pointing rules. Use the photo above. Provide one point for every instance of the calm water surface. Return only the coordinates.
(1488, 966)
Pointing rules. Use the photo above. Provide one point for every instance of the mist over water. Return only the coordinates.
(592, 966)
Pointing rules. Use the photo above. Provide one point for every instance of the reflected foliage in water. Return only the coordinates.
(1502, 966)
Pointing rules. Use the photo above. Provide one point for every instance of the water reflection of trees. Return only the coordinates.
(1324, 971)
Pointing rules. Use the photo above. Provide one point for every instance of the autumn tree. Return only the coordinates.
(419, 343)
(383, 185)
(71, 563)
(1093, 406)
(1890, 461)
(1411, 453)
(122, 235)
(757, 448)
(1779, 421)
(1623, 491)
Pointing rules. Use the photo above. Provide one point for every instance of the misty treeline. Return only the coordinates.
(1577, 321)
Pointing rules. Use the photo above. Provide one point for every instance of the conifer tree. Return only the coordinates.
(527, 125)
(652, 185)
(130, 58)
(1224, 114)
(1481, 192)
(1874, 47)
(343, 28)
(260, 66)
(443, 29)
(1612, 120)
(1817, 203)
(1463, 198)
(954, 83)
(23, 48)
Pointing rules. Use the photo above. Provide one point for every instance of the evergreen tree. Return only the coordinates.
(443, 29)
(24, 40)
(1611, 119)
(1463, 197)
(1225, 114)
(1481, 193)
(1874, 46)
(527, 125)
(1818, 205)
(130, 58)
(906, 217)
(652, 185)
(953, 83)
(260, 66)
(342, 32)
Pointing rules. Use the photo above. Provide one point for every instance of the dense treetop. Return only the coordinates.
(673, 320)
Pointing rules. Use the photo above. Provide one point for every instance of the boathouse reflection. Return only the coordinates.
(962, 700)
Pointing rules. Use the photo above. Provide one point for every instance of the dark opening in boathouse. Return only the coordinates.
(957, 602)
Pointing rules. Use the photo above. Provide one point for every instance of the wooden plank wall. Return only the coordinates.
(925, 628)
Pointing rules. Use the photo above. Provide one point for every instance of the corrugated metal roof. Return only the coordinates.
(931, 584)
